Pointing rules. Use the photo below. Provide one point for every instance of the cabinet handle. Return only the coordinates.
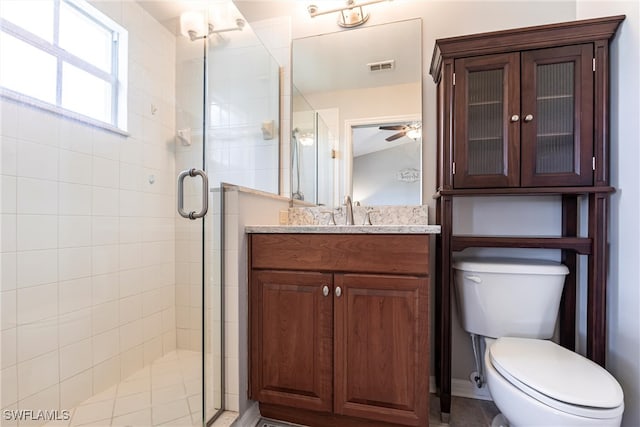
(338, 292)
(325, 290)
(515, 118)
(528, 118)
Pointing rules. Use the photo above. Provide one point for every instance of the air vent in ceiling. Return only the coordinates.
(382, 65)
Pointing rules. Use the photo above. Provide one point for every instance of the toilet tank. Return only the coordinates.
(499, 297)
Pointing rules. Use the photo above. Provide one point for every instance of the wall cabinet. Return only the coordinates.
(339, 337)
(524, 112)
(524, 119)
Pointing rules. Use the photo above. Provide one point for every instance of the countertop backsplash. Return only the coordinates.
(379, 215)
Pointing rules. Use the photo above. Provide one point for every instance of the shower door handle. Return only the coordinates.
(205, 196)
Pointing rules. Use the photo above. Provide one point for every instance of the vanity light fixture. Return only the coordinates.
(193, 25)
(350, 15)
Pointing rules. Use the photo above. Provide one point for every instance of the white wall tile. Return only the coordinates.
(131, 360)
(37, 338)
(75, 199)
(105, 201)
(7, 271)
(38, 374)
(37, 303)
(75, 358)
(74, 231)
(36, 196)
(47, 398)
(47, 271)
(106, 374)
(74, 295)
(105, 230)
(9, 196)
(9, 384)
(8, 230)
(76, 389)
(131, 335)
(8, 355)
(75, 136)
(9, 159)
(37, 161)
(105, 259)
(105, 288)
(129, 282)
(45, 132)
(130, 256)
(74, 167)
(74, 263)
(37, 232)
(104, 317)
(75, 326)
(106, 346)
(106, 173)
(130, 309)
(8, 316)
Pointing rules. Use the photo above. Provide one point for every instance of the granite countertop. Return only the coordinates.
(345, 229)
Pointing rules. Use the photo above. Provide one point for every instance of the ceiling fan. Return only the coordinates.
(412, 131)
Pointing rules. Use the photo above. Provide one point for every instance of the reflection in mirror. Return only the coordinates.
(386, 164)
(349, 81)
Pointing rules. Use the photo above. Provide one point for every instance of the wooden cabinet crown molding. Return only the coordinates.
(536, 37)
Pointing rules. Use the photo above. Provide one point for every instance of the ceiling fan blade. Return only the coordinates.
(396, 136)
(397, 127)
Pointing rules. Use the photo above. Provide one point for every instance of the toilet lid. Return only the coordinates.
(561, 378)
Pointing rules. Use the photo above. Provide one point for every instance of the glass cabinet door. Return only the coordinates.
(557, 106)
(486, 151)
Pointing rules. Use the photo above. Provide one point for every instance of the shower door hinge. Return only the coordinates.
(454, 79)
(593, 162)
(594, 64)
(334, 153)
(453, 168)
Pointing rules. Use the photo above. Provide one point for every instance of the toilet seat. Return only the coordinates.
(557, 377)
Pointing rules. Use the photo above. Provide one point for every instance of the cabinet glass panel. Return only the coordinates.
(555, 109)
(485, 114)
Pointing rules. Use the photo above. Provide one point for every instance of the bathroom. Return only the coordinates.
(96, 230)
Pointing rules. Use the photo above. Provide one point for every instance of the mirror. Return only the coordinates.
(357, 116)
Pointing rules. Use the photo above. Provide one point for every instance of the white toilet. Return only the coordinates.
(513, 304)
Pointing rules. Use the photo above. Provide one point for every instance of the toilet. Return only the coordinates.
(510, 307)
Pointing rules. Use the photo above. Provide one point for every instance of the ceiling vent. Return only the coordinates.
(382, 65)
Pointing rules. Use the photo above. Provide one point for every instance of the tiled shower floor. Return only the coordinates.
(168, 392)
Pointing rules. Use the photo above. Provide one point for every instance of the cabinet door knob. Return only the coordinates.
(325, 290)
(528, 118)
(338, 292)
(515, 118)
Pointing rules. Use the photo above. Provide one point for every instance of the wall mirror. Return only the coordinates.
(357, 115)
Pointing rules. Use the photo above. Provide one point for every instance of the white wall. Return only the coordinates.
(87, 240)
(623, 297)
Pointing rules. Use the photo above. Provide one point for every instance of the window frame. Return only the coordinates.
(116, 77)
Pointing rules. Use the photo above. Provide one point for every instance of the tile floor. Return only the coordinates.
(165, 393)
(464, 412)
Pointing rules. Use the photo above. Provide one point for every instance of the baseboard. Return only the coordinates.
(250, 417)
(463, 388)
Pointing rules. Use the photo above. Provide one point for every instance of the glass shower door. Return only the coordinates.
(198, 266)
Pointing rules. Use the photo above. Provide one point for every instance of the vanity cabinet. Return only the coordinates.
(524, 112)
(339, 328)
(524, 119)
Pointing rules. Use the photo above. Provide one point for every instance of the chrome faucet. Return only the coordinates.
(349, 213)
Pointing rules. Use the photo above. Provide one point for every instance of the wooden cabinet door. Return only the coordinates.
(557, 116)
(381, 362)
(487, 121)
(292, 339)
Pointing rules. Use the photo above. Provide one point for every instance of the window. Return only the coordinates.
(64, 56)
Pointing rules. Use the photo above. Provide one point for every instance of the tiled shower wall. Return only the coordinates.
(88, 235)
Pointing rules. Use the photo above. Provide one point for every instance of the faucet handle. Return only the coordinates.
(332, 217)
(367, 217)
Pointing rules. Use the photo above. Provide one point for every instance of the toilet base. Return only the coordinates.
(499, 421)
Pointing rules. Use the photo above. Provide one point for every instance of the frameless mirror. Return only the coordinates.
(357, 115)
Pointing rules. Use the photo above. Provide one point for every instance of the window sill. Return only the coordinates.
(45, 106)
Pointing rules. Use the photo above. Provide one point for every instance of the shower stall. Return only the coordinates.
(112, 303)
